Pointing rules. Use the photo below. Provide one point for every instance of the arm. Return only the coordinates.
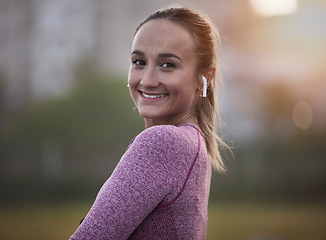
(137, 185)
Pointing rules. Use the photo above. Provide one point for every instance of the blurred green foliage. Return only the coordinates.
(284, 162)
(85, 131)
(97, 114)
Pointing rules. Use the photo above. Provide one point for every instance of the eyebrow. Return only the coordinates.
(136, 52)
(161, 55)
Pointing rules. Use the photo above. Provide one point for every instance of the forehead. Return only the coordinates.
(163, 36)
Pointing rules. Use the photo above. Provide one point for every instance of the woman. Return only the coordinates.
(160, 188)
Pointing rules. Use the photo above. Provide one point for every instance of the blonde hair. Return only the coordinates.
(206, 43)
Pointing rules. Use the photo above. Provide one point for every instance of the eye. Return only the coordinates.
(167, 65)
(138, 63)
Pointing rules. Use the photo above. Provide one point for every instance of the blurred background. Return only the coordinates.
(66, 116)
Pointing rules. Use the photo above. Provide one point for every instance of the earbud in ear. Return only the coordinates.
(204, 86)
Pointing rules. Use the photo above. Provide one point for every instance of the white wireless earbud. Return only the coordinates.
(204, 86)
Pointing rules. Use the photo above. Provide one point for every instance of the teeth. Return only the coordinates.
(153, 96)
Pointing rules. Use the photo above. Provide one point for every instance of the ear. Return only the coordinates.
(210, 75)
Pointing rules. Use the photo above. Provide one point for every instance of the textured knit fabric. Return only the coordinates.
(159, 189)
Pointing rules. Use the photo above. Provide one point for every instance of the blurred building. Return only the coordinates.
(41, 42)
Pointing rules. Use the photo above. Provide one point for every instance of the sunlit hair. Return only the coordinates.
(206, 41)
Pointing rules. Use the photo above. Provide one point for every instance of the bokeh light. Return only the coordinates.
(275, 7)
(302, 115)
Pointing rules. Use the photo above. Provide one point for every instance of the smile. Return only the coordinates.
(153, 96)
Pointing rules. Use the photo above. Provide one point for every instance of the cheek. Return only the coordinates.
(187, 87)
(132, 82)
(133, 79)
(133, 93)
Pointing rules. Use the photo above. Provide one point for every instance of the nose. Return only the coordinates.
(149, 78)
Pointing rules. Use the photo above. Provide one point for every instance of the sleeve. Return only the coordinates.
(139, 183)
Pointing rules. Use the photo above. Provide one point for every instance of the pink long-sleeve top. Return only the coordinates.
(159, 189)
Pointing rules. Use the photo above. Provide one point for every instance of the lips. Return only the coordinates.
(153, 96)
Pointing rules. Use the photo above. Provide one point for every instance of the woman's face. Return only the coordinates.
(162, 75)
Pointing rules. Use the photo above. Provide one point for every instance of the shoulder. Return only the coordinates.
(163, 147)
(161, 134)
(165, 139)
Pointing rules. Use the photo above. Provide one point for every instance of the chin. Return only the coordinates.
(148, 114)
